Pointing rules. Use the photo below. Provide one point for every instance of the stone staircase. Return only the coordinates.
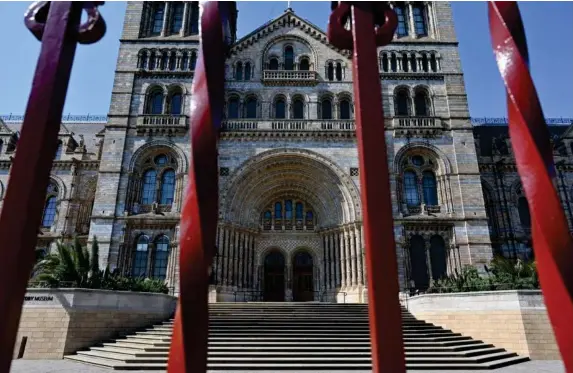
(301, 336)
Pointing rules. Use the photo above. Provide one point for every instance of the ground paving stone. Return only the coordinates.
(63, 366)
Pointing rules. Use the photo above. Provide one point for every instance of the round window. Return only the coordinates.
(417, 160)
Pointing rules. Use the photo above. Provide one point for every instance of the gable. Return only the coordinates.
(290, 21)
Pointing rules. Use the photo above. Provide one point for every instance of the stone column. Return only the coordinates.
(226, 255)
(341, 248)
(236, 258)
(353, 253)
(359, 259)
(430, 18)
(332, 282)
(183, 30)
(241, 259)
(337, 265)
(363, 247)
(166, 12)
(220, 258)
(411, 28)
(428, 260)
(346, 239)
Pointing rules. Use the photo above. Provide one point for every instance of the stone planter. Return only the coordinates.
(514, 319)
(57, 322)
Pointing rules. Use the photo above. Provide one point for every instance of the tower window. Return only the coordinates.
(177, 17)
(402, 29)
(304, 64)
(158, 13)
(289, 58)
(420, 25)
(339, 71)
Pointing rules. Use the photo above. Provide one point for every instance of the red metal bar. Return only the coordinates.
(30, 171)
(552, 242)
(383, 288)
(188, 352)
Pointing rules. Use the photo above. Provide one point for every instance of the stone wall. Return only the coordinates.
(515, 320)
(58, 322)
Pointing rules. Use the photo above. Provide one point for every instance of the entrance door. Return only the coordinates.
(274, 277)
(303, 284)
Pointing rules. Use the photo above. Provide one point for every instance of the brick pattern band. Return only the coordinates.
(552, 242)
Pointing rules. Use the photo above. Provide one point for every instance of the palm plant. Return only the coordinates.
(71, 264)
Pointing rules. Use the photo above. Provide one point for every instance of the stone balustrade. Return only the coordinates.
(148, 120)
(290, 77)
(288, 125)
(417, 122)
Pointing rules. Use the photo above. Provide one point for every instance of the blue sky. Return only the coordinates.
(548, 27)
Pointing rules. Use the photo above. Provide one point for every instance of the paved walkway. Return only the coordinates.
(62, 366)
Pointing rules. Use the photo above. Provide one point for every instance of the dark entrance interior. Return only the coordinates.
(302, 278)
(274, 280)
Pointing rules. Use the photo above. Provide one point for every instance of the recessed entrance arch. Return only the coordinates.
(274, 277)
(303, 282)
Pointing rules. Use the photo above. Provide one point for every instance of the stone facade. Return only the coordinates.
(290, 212)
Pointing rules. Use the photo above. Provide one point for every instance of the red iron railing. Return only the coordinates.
(372, 25)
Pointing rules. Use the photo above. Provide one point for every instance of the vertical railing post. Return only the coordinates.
(372, 24)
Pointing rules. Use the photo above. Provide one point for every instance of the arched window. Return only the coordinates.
(239, 71)
(175, 103)
(402, 29)
(59, 150)
(438, 259)
(344, 109)
(411, 195)
(143, 60)
(164, 61)
(157, 17)
(309, 218)
(161, 257)
(248, 71)
(280, 108)
(430, 188)
(288, 209)
(194, 24)
(172, 61)
(402, 103)
(418, 263)
(433, 62)
(251, 108)
(49, 212)
(339, 71)
(167, 187)
(176, 16)
(289, 58)
(193, 61)
(414, 62)
(148, 189)
(523, 210)
(298, 109)
(385, 63)
(1, 146)
(330, 72)
(405, 64)
(304, 64)
(155, 103)
(298, 211)
(326, 108)
(278, 210)
(185, 61)
(233, 108)
(420, 25)
(152, 59)
(393, 63)
(139, 265)
(421, 104)
(273, 64)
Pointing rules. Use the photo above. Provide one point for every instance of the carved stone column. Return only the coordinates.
(362, 246)
(347, 249)
(166, 12)
(220, 256)
(226, 255)
(428, 260)
(241, 259)
(337, 265)
(352, 237)
(237, 249)
(186, 9)
(340, 246)
(410, 15)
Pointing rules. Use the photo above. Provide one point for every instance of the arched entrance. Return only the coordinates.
(274, 277)
(302, 290)
(418, 263)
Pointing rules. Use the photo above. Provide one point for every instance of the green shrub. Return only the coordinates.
(502, 274)
(74, 266)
